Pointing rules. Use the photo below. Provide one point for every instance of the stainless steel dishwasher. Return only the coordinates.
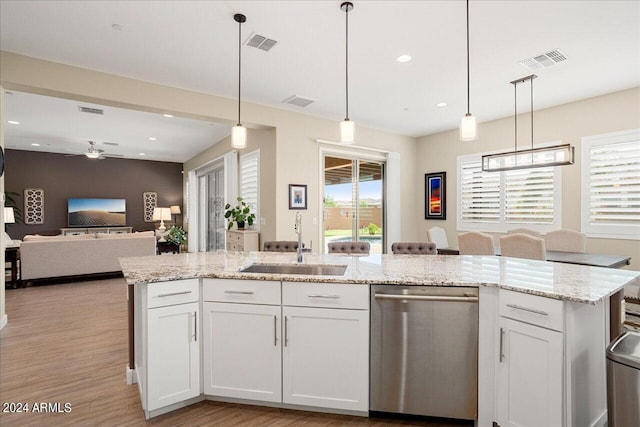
(424, 351)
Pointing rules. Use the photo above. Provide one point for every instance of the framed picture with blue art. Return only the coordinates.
(297, 196)
(435, 188)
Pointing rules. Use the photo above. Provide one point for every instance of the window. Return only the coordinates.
(499, 201)
(250, 181)
(611, 185)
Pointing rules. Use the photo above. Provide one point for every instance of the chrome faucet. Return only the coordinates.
(298, 229)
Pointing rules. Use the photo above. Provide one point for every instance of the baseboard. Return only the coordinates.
(3, 321)
(132, 378)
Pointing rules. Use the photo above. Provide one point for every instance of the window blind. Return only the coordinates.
(529, 196)
(249, 179)
(480, 194)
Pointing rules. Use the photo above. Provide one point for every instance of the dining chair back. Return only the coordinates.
(281, 246)
(566, 241)
(349, 248)
(476, 243)
(438, 236)
(520, 245)
(524, 231)
(419, 248)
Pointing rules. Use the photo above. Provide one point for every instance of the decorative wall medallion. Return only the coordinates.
(33, 206)
(150, 200)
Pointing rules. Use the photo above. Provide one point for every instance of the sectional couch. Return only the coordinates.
(59, 256)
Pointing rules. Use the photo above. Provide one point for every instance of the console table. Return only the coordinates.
(92, 230)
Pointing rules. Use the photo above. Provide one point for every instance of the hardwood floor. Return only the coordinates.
(67, 344)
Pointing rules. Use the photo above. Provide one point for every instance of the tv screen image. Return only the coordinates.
(97, 212)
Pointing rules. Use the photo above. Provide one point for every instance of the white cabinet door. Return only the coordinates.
(530, 376)
(242, 352)
(173, 372)
(326, 358)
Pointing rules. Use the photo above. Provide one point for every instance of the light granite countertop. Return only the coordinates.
(548, 279)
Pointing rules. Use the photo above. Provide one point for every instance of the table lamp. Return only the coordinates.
(175, 210)
(161, 214)
(9, 218)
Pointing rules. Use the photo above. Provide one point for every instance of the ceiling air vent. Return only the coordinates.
(261, 42)
(543, 60)
(91, 110)
(298, 100)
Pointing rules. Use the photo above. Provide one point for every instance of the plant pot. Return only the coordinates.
(240, 225)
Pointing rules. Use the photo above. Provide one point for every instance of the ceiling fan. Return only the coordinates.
(93, 152)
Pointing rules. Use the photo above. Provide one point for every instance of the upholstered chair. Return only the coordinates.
(281, 246)
(524, 231)
(419, 248)
(349, 248)
(522, 245)
(476, 243)
(566, 241)
(438, 236)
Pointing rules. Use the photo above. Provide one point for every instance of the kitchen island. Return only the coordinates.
(561, 309)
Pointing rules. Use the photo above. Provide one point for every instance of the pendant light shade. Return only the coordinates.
(347, 127)
(468, 124)
(239, 132)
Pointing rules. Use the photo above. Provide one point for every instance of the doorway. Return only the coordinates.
(353, 207)
(211, 223)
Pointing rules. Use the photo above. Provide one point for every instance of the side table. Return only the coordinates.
(12, 255)
(167, 247)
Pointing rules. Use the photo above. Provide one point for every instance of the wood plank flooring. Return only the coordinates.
(67, 343)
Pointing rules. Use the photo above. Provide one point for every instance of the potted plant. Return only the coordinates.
(177, 235)
(239, 214)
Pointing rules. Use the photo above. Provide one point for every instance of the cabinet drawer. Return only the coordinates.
(234, 237)
(171, 293)
(242, 291)
(326, 295)
(533, 309)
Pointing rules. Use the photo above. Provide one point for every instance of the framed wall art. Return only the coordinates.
(297, 196)
(435, 186)
(33, 206)
(150, 201)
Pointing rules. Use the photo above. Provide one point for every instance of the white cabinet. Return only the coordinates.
(242, 339)
(242, 240)
(549, 358)
(325, 356)
(529, 376)
(167, 339)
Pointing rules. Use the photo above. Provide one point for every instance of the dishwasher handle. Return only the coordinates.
(439, 298)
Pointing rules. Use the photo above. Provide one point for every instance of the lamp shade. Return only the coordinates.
(347, 132)
(175, 210)
(161, 214)
(9, 217)
(239, 136)
(468, 128)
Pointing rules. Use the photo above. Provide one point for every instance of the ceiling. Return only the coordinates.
(193, 45)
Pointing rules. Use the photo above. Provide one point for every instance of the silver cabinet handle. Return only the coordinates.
(501, 337)
(195, 325)
(275, 330)
(530, 310)
(239, 292)
(173, 293)
(441, 298)
(324, 296)
(286, 334)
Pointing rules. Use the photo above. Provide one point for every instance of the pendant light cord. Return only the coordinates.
(468, 73)
(346, 70)
(531, 83)
(515, 116)
(239, 66)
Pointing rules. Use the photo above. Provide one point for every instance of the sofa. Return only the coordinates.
(59, 256)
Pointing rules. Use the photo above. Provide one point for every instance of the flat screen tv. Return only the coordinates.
(97, 212)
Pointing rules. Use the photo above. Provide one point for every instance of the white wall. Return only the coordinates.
(567, 123)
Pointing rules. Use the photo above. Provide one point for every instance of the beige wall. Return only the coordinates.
(567, 123)
(297, 155)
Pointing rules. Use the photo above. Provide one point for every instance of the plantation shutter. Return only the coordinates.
(529, 196)
(480, 194)
(250, 181)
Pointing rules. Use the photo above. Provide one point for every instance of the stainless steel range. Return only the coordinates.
(424, 351)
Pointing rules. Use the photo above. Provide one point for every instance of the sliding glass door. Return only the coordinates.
(211, 210)
(354, 201)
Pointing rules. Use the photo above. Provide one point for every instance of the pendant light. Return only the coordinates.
(468, 125)
(557, 155)
(347, 127)
(239, 132)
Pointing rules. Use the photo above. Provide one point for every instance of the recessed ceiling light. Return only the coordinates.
(142, 154)
(13, 122)
(151, 138)
(168, 115)
(35, 144)
(403, 58)
(441, 104)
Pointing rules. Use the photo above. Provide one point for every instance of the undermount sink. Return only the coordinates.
(310, 269)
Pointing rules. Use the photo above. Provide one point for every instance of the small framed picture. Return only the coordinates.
(435, 187)
(297, 196)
